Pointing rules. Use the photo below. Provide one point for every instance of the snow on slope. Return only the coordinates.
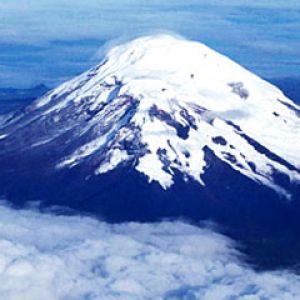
(158, 102)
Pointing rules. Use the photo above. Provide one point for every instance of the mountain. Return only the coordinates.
(163, 127)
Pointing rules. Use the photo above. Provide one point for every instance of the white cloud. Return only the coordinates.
(34, 21)
(39, 23)
(44, 256)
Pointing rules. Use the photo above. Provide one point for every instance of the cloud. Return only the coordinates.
(31, 21)
(240, 23)
(45, 256)
(273, 47)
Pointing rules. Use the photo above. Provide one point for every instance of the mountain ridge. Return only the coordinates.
(155, 102)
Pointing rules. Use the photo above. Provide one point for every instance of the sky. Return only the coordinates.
(50, 41)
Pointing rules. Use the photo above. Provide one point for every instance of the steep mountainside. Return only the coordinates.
(158, 104)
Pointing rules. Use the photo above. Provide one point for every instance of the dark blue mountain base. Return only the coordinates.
(266, 224)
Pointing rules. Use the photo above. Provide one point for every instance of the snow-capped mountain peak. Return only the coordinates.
(159, 104)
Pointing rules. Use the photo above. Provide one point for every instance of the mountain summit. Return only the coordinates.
(158, 104)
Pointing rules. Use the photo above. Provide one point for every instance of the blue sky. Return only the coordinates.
(43, 41)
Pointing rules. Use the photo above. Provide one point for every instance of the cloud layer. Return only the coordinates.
(43, 256)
